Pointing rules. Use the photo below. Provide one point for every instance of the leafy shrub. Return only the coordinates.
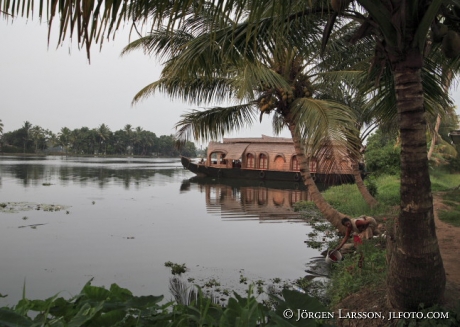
(371, 185)
(97, 306)
(382, 154)
(356, 272)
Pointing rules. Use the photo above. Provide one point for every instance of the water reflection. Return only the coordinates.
(135, 215)
(33, 171)
(243, 200)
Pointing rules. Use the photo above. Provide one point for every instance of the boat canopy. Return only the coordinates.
(235, 151)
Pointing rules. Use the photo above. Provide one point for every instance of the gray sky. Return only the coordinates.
(56, 88)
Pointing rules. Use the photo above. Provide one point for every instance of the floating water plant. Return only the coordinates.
(176, 269)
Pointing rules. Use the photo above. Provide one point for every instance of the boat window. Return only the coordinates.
(263, 161)
(250, 162)
(295, 163)
(278, 163)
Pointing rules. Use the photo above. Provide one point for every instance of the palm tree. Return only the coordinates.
(104, 133)
(129, 137)
(64, 138)
(416, 273)
(283, 86)
(26, 131)
(37, 134)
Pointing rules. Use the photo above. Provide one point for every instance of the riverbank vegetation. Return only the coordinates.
(93, 141)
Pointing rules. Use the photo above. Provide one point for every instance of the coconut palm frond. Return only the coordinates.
(319, 120)
(278, 123)
(193, 90)
(254, 77)
(348, 77)
(214, 123)
(162, 43)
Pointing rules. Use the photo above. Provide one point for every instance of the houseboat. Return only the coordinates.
(267, 158)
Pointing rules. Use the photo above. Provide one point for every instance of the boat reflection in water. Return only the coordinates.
(247, 199)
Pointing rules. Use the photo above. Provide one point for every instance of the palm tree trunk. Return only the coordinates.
(416, 272)
(331, 214)
(435, 136)
(370, 200)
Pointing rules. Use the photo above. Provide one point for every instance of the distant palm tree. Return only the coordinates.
(128, 129)
(64, 138)
(26, 133)
(37, 135)
(104, 133)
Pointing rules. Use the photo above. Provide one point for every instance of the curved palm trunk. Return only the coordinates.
(416, 272)
(435, 136)
(332, 215)
(370, 200)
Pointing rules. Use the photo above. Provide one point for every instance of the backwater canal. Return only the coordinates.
(120, 220)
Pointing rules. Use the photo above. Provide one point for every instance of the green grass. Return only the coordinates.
(443, 181)
(349, 276)
(347, 198)
(452, 215)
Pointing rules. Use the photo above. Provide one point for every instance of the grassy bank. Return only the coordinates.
(350, 275)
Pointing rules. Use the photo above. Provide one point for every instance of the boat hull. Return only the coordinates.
(254, 174)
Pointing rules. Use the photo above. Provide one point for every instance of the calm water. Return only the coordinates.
(122, 219)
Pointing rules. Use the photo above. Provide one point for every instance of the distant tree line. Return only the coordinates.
(95, 141)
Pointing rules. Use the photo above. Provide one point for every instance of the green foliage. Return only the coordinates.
(454, 162)
(452, 215)
(290, 302)
(347, 198)
(442, 180)
(101, 140)
(382, 154)
(94, 306)
(371, 185)
(365, 267)
(176, 269)
(99, 307)
(389, 190)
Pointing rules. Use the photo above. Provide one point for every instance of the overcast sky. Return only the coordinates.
(53, 88)
(56, 88)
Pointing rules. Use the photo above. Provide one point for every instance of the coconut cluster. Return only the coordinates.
(450, 40)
